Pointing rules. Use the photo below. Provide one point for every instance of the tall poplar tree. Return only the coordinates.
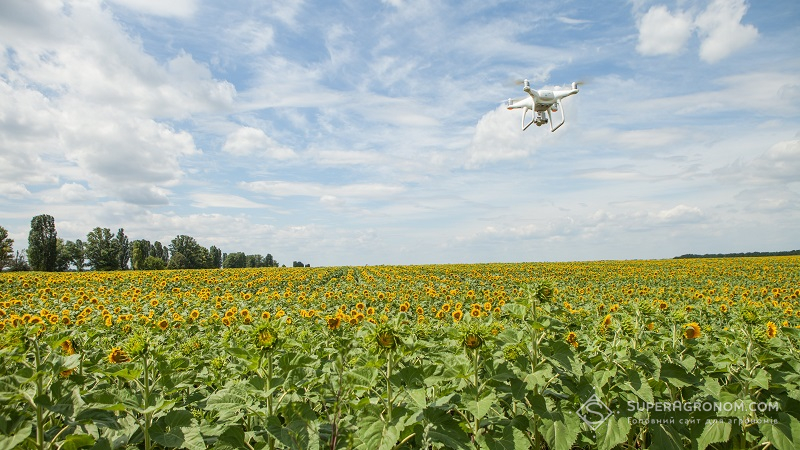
(42, 243)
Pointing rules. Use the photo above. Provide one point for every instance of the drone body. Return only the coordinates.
(543, 103)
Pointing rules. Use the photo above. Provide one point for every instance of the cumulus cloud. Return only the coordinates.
(718, 26)
(498, 137)
(249, 141)
(780, 164)
(662, 32)
(721, 30)
(83, 99)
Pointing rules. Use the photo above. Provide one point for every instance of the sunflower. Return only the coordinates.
(333, 322)
(385, 338)
(473, 341)
(723, 308)
(265, 337)
(572, 339)
(475, 313)
(117, 356)
(691, 330)
(194, 314)
(457, 315)
(163, 324)
(68, 347)
(606, 321)
(154, 302)
(772, 329)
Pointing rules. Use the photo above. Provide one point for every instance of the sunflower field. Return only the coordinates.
(667, 354)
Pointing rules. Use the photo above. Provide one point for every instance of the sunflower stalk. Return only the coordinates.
(475, 357)
(389, 386)
(146, 395)
(39, 390)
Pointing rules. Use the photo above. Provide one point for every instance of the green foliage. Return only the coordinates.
(6, 248)
(42, 243)
(102, 249)
(374, 367)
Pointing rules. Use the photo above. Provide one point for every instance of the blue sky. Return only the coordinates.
(372, 132)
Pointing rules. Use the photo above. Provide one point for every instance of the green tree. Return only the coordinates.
(62, 256)
(159, 251)
(75, 254)
(215, 256)
(178, 261)
(123, 249)
(235, 260)
(153, 263)
(42, 243)
(269, 261)
(255, 261)
(140, 251)
(6, 249)
(101, 249)
(196, 256)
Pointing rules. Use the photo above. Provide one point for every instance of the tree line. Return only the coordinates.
(739, 255)
(105, 250)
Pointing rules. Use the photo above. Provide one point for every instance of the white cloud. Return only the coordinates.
(779, 165)
(13, 190)
(209, 200)
(252, 35)
(721, 30)
(328, 192)
(499, 137)
(662, 32)
(253, 141)
(171, 8)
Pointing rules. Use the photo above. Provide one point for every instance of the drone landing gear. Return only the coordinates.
(538, 117)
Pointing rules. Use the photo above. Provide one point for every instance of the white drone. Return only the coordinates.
(541, 102)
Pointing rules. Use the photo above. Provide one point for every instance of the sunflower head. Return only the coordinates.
(333, 322)
(68, 347)
(772, 330)
(691, 330)
(117, 355)
(385, 337)
(545, 291)
(265, 337)
(572, 339)
(472, 341)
